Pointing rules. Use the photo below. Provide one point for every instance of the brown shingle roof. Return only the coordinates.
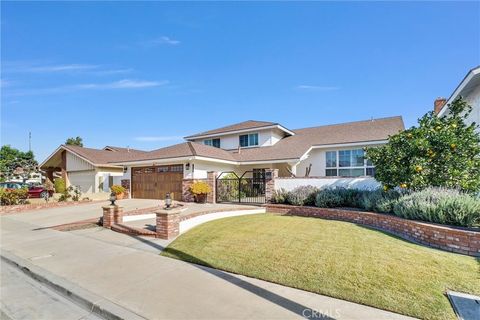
(104, 157)
(250, 124)
(291, 147)
(185, 149)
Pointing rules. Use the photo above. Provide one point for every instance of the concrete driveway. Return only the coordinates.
(142, 283)
(55, 216)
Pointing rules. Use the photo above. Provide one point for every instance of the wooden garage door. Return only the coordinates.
(156, 182)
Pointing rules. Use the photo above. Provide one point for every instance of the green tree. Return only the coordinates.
(74, 142)
(16, 162)
(440, 151)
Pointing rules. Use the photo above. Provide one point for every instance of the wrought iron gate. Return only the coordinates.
(248, 188)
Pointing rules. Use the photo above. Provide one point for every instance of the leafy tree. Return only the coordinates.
(440, 151)
(78, 141)
(16, 162)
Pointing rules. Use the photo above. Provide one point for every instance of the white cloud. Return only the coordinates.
(36, 67)
(316, 88)
(59, 68)
(158, 138)
(163, 40)
(121, 84)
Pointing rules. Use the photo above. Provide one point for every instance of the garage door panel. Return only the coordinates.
(156, 182)
(85, 180)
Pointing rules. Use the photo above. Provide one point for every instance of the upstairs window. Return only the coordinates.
(248, 140)
(212, 142)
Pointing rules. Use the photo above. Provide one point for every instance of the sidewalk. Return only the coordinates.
(156, 287)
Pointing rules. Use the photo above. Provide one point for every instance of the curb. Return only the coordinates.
(85, 299)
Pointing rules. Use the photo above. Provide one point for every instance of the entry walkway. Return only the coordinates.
(156, 287)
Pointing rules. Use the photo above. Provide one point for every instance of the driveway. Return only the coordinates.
(153, 286)
(55, 216)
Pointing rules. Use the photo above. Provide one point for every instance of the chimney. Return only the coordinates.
(438, 104)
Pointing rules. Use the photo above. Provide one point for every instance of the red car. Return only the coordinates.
(33, 191)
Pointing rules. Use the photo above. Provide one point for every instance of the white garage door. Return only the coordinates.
(84, 179)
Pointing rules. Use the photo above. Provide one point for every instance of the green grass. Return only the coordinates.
(333, 258)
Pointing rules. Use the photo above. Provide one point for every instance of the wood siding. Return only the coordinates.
(156, 182)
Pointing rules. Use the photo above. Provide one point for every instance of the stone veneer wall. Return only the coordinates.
(187, 196)
(458, 240)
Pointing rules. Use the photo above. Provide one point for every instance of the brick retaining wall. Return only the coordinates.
(4, 210)
(458, 240)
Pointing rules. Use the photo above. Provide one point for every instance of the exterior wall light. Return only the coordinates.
(113, 198)
(168, 200)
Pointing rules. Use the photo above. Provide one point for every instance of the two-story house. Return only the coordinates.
(468, 89)
(246, 148)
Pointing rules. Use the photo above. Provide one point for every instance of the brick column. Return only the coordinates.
(168, 223)
(270, 176)
(108, 214)
(187, 196)
(117, 214)
(212, 180)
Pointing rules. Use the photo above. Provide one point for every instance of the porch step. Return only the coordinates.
(122, 228)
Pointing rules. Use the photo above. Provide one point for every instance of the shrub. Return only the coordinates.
(48, 185)
(10, 197)
(378, 200)
(302, 196)
(200, 187)
(446, 206)
(280, 196)
(73, 192)
(328, 198)
(117, 189)
(60, 185)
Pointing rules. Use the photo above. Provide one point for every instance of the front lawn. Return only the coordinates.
(333, 258)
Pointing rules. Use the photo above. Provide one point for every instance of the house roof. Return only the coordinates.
(469, 83)
(245, 125)
(289, 148)
(296, 146)
(122, 149)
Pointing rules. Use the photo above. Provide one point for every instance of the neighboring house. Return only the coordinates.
(249, 148)
(87, 168)
(468, 89)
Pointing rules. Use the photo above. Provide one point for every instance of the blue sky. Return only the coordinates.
(145, 74)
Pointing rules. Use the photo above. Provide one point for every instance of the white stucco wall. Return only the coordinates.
(473, 99)
(231, 141)
(365, 183)
(316, 157)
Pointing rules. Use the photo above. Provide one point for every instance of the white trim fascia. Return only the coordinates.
(215, 160)
(341, 145)
(459, 89)
(153, 161)
(206, 159)
(277, 126)
(105, 165)
(51, 155)
(241, 163)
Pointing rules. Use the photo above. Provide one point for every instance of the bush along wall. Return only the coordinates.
(438, 205)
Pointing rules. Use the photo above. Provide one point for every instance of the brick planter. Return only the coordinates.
(112, 215)
(458, 240)
(168, 223)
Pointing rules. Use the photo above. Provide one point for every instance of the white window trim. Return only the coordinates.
(248, 140)
(337, 165)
